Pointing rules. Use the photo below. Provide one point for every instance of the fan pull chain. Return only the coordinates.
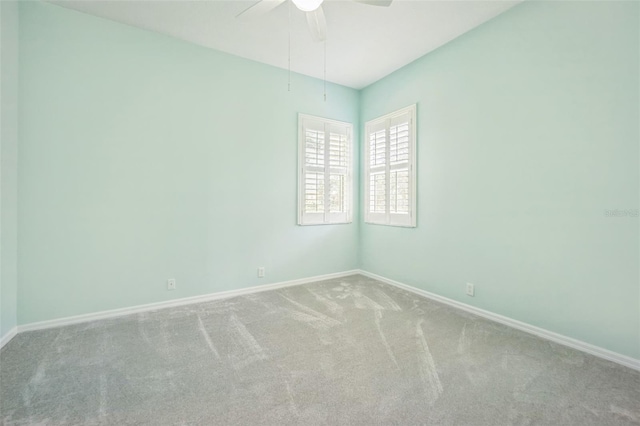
(325, 70)
(289, 69)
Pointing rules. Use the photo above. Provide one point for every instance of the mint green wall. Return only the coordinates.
(528, 130)
(143, 158)
(8, 164)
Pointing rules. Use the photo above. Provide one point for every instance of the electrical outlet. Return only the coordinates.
(171, 284)
(470, 290)
(261, 272)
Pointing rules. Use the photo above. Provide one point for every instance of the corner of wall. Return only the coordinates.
(360, 218)
(8, 168)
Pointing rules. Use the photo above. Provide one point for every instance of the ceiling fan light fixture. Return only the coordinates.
(307, 5)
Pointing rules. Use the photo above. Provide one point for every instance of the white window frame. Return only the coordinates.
(327, 217)
(385, 123)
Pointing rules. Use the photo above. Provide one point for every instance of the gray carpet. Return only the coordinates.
(344, 351)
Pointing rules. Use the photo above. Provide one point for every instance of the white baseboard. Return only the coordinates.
(537, 331)
(177, 302)
(528, 328)
(7, 337)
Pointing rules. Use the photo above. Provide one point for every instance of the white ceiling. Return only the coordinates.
(364, 43)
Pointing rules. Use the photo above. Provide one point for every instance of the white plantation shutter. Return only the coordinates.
(390, 190)
(325, 171)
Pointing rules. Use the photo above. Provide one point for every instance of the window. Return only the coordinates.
(325, 171)
(389, 162)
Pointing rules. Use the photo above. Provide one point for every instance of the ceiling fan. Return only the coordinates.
(313, 9)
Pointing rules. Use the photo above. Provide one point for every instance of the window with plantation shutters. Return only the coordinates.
(325, 171)
(389, 162)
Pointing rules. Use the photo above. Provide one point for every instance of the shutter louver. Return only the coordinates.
(399, 160)
(314, 178)
(336, 194)
(314, 193)
(377, 149)
(399, 143)
(314, 153)
(377, 167)
(338, 160)
(338, 150)
(399, 192)
(377, 197)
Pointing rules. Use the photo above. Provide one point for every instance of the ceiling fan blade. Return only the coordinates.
(317, 24)
(384, 3)
(260, 8)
